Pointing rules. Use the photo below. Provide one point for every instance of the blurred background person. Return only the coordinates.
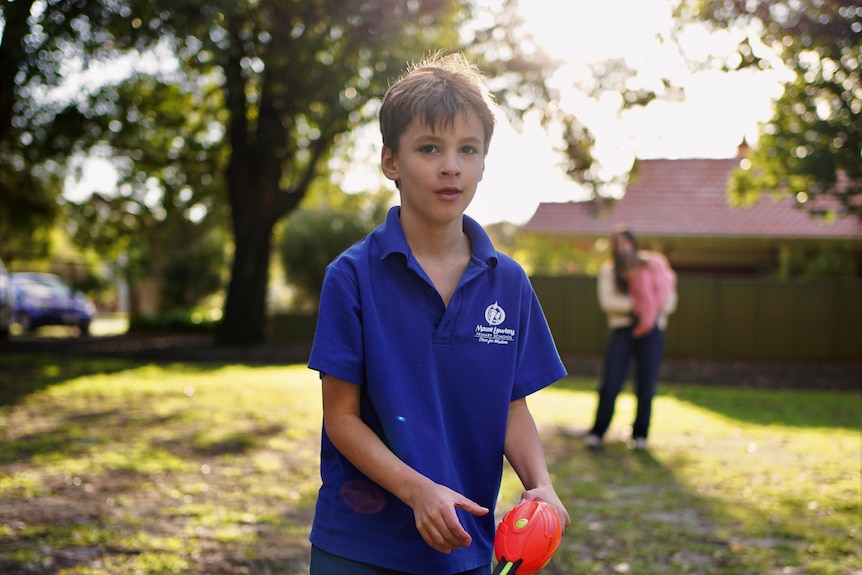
(637, 292)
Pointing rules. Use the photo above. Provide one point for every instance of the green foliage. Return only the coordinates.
(194, 273)
(28, 206)
(812, 146)
(177, 320)
(504, 236)
(162, 136)
(251, 100)
(39, 130)
(164, 140)
(833, 260)
(329, 222)
(555, 256)
(298, 76)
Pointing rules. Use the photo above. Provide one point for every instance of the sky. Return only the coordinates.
(523, 168)
(718, 111)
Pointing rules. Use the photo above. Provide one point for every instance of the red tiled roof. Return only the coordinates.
(688, 198)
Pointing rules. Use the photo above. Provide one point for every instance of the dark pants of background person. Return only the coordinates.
(647, 352)
(323, 563)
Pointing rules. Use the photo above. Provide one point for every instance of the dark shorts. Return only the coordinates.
(323, 563)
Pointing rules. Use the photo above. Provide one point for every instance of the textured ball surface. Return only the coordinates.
(530, 531)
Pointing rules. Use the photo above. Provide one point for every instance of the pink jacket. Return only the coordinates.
(653, 284)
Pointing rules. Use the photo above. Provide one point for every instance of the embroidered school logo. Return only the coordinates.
(494, 314)
(493, 332)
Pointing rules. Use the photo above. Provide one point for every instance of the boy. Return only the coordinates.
(428, 342)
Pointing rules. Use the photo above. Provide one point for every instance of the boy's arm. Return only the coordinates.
(433, 504)
(524, 451)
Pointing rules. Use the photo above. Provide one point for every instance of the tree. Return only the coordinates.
(290, 78)
(29, 185)
(294, 76)
(297, 77)
(166, 141)
(42, 128)
(812, 146)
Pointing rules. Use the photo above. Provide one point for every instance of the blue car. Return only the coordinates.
(45, 299)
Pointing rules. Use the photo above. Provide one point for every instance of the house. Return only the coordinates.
(680, 208)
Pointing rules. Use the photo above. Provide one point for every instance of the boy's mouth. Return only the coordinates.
(448, 193)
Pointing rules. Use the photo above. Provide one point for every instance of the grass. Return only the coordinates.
(119, 467)
(736, 481)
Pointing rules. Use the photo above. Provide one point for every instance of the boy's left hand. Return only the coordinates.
(548, 495)
(434, 511)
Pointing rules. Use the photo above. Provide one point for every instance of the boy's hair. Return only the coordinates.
(434, 91)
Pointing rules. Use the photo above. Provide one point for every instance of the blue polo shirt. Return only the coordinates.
(436, 383)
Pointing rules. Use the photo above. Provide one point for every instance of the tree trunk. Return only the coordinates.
(256, 198)
(244, 320)
(12, 56)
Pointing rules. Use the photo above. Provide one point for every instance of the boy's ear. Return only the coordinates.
(389, 164)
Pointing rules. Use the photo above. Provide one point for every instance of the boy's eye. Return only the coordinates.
(428, 149)
(469, 150)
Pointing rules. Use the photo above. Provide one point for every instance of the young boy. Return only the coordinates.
(428, 342)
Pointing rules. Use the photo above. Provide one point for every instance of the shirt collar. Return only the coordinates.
(391, 239)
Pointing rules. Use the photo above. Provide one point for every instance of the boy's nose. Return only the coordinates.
(450, 166)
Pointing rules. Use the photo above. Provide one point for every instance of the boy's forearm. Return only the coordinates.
(524, 451)
(433, 505)
(523, 447)
(360, 445)
(364, 449)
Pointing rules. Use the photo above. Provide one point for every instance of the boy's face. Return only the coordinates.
(437, 169)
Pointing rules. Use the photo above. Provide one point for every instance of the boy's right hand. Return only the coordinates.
(436, 520)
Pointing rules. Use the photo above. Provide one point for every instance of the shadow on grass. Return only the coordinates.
(23, 374)
(77, 435)
(152, 480)
(208, 485)
(631, 513)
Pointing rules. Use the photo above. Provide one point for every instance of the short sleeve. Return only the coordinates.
(337, 348)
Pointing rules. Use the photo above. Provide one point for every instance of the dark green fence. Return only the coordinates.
(751, 319)
(757, 319)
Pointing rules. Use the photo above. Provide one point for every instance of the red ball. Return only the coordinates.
(531, 531)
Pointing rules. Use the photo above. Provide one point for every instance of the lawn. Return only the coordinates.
(111, 466)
